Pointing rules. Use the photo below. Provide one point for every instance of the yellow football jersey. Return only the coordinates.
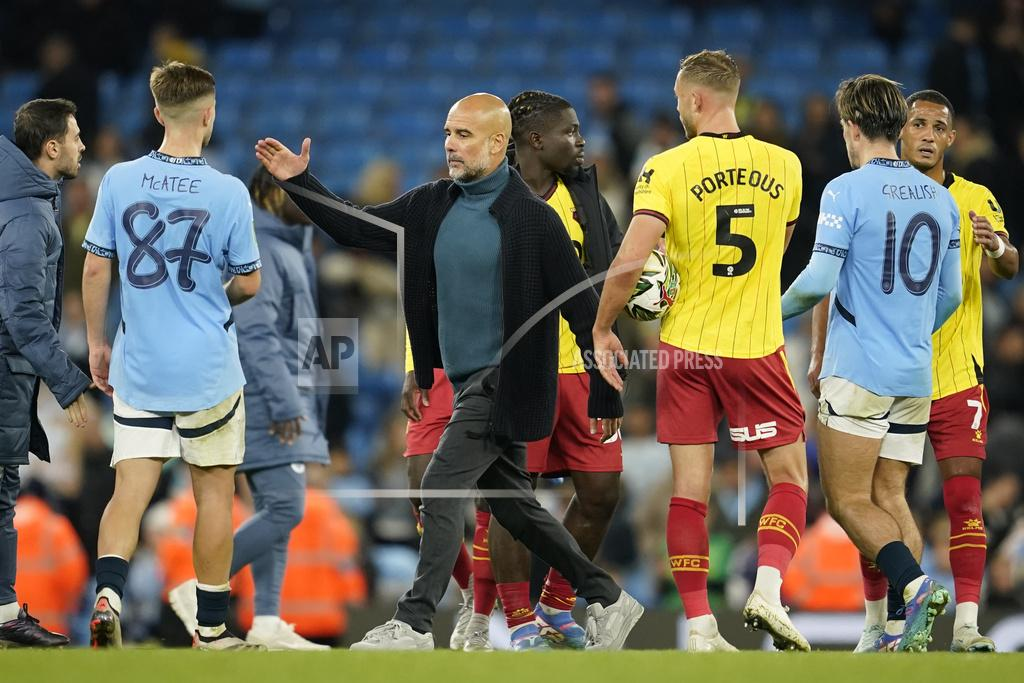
(726, 201)
(408, 353)
(958, 357)
(570, 360)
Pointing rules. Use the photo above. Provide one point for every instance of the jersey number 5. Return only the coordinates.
(726, 238)
(917, 223)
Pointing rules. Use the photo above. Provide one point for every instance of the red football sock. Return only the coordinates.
(558, 593)
(463, 570)
(781, 525)
(515, 599)
(962, 496)
(484, 589)
(688, 554)
(876, 586)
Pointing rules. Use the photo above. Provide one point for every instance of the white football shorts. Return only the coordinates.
(901, 422)
(205, 438)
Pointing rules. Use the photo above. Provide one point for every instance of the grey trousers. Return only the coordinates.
(10, 485)
(279, 494)
(467, 457)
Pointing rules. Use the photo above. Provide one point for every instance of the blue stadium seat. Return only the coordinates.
(867, 56)
(19, 86)
(457, 56)
(249, 55)
(654, 58)
(341, 121)
(528, 56)
(588, 59)
(325, 55)
(675, 26)
(321, 24)
(384, 57)
(790, 57)
(742, 22)
(915, 56)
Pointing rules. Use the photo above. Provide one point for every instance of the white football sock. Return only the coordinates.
(966, 613)
(875, 612)
(894, 628)
(479, 622)
(705, 624)
(9, 612)
(265, 623)
(769, 584)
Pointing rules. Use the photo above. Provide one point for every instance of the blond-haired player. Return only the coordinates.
(727, 204)
(175, 225)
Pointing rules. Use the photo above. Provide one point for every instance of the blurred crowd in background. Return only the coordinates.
(383, 78)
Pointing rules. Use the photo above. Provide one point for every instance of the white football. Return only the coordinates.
(656, 289)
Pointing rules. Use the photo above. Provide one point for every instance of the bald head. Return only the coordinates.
(476, 132)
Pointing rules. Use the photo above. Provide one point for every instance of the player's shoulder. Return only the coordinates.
(227, 182)
(959, 185)
(672, 158)
(773, 150)
(849, 180)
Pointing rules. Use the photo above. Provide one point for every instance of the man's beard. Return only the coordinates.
(70, 170)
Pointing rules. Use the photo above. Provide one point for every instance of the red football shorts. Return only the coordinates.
(958, 425)
(571, 447)
(421, 438)
(756, 395)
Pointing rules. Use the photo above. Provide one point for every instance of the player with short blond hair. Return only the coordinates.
(175, 225)
(727, 204)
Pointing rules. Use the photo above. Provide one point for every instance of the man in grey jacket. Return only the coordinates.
(47, 148)
(284, 423)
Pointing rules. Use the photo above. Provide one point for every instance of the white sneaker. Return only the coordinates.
(479, 639)
(869, 637)
(461, 631)
(281, 636)
(607, 627)
(708, 639)
(967, 638)
(185, 604)
(761, 615)
(394, 635)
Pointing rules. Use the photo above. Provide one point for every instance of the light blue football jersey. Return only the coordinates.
(175, 225)
(898, 233)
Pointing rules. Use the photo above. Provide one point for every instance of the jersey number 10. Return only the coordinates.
(915, 225)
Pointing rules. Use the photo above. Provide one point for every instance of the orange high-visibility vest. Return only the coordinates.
(52, 567)
(323, 575)
(825, 573)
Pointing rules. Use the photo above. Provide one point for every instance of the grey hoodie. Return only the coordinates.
(31, 273)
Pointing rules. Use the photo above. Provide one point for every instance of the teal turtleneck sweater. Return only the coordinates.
(467, 257)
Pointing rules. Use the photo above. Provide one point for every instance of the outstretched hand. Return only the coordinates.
(281, 162)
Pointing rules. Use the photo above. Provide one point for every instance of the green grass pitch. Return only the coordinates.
(340, 666)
